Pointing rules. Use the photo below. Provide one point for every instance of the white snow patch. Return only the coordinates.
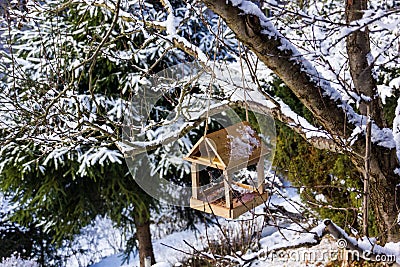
(395, 83)
(384, 91)
(320, 197)
(244, 144)
(171, 24)
(396, 129)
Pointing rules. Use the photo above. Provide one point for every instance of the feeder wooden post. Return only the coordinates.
(260, 174)
(195, 180)
(227, 187)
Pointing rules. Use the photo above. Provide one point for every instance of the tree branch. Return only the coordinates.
(352, 244)
(281, 56)
(316, 137)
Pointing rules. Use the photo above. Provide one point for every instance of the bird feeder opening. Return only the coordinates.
(228, 150)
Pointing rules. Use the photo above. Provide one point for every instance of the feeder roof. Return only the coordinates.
(234, 147)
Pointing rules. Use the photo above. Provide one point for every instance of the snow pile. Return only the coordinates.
(96, 241)
(243, 144)
(396, 129)
(15, 260)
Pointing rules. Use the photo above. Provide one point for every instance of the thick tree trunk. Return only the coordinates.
(361, 65)
(383, 181)
(383, 190)
(143, 235)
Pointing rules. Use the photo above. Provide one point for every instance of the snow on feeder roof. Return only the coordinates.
(234, 147)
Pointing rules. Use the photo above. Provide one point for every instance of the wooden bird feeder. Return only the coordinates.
(228, 150)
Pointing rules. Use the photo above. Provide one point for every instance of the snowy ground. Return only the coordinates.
(270, 250)
(270, 240)
(168, 249)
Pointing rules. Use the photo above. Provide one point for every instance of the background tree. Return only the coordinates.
(70, 69)
(60, 184)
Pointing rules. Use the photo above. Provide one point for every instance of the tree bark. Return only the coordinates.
(143, 235)
(367, 170)
(382, 190)
(270, 47)
(361, 65)
(383, 186)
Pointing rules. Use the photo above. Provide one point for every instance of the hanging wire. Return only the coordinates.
(243, 83)
(210, 93)
(212, 78)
